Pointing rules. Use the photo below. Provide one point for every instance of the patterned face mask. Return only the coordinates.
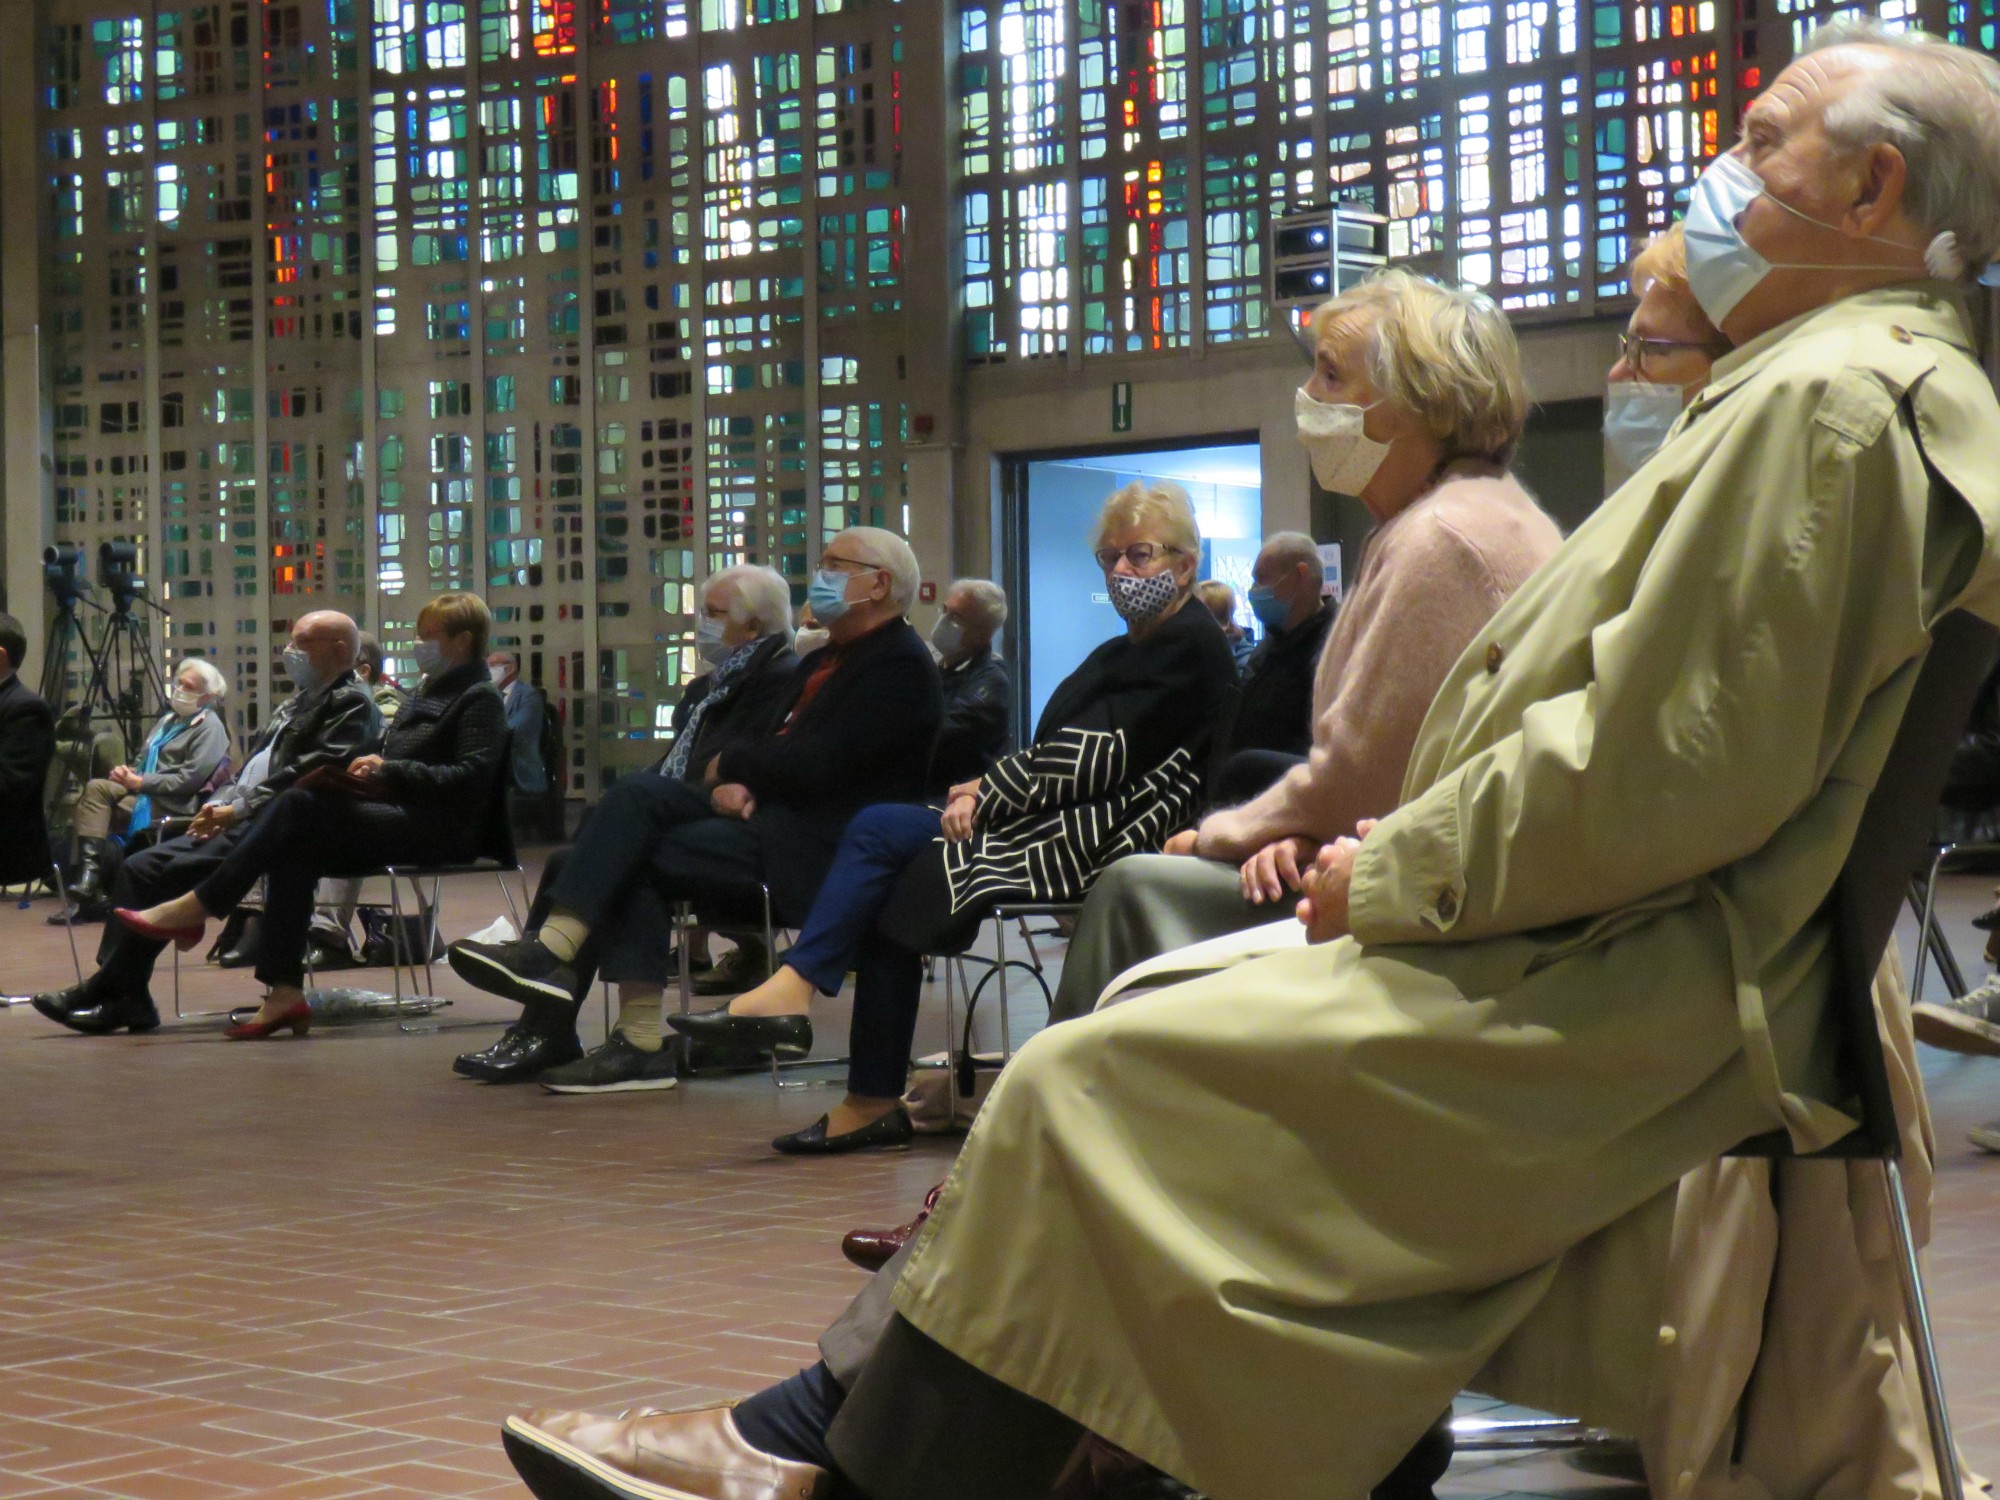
(1138, 600)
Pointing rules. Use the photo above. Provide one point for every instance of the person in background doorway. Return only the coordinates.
(1274, 719)
(1220, 600)
(388, 695)
(978, 689)
(527, 777)
(181, 757)
(27, 746)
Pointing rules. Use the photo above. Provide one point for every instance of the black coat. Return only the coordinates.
(1275, 712)
(443, 754)
(751, 710)
(866, 737)
(329, 730)
(978, 713)
(27, 746)
(1969, 811)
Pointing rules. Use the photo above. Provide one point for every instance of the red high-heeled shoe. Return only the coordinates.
(298, 1017)
(182, 938)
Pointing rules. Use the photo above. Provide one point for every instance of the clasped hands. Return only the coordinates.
(960, 809)
(1320, 873)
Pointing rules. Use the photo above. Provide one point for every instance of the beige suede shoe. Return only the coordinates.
(650, 1455)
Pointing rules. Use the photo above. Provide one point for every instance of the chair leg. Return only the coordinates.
(1931, 941)
(952, 971)
(69, 927)
(1006, 1030)
(1916, 1309)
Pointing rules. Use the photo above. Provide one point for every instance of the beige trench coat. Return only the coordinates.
(1259, 1227)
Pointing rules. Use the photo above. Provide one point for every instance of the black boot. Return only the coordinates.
(1422, 1467)
(544, 1038)
(86, 892)
(98, 1009)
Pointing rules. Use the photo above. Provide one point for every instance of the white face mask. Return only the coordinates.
(498, 674)
(708, 642)
(1637, 417)
(1344, 458)
(1722, 269)
(184, 703)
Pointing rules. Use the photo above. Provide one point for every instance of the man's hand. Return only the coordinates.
(1323, 893)
(1182, 842)
(1276, 869)
(212, 819)
(960, 811)
(126, 777)
(711, 775)
(733, 800)
(365, 766)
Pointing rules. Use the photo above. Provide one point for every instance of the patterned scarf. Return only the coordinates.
(720, 686)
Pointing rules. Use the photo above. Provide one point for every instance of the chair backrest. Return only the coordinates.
(1889, 843)
(1221, 743)
(218, 778)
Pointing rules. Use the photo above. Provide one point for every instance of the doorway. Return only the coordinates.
(1050, 503)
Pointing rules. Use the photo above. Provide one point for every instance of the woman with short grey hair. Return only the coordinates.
(180, 760)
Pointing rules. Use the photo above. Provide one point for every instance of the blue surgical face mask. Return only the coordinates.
(305, 676)
(429, 657)
(1722, 269)
(827, 595)
(1637, 417)
(708, 642)
(1269, 609)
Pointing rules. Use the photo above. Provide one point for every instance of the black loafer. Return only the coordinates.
(893, 1132)
(747, 1036)
(98, 1015)
(537, 1053)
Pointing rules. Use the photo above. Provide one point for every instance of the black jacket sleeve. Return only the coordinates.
(27, 745)
(345, 726)
(975, 717)
(894, 701)
(459, 774)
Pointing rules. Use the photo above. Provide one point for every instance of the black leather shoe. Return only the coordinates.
(475, 1064)
(536, 1053)
(522, 971)
(1422, 1467)
(893, 1132)
(753, 1036)
(98, 1015)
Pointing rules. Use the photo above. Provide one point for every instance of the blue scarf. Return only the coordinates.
(720, 686)
(141, 817)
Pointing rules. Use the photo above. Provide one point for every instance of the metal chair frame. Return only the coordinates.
(1000, 914)
(687, 922)
(69, 928)
(1932, 945)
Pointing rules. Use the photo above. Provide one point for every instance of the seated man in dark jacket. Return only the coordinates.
(860, 721)
(27, 746)
(1274, 717)
(978, 689)
(745, 637)
(330, 720)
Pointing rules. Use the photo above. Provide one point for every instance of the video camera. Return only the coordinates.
(118, 572)
(63, 571)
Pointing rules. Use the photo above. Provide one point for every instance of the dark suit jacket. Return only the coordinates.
(751, 710)
(330, 730)
(442, 755)
(978, 710)
(866, 737)
(27, 746)
(1276, 710)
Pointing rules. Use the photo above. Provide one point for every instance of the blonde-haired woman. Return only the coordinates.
(1115, 767)
(424, 798)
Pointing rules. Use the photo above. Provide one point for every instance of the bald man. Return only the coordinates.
(328, 721)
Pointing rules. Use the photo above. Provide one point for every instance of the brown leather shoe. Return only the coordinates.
(872, 1249)
(650, 1455)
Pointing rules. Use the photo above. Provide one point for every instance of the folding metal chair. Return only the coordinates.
(1873, 885)
(690, 919)
(959, 1060)
(1932, 945)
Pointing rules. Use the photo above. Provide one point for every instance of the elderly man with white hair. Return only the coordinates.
(1258, 1227)
(978, 688)
(855, 726)
(176, 765)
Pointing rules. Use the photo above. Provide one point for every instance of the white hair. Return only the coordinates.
(1158, 506)
(758, 597)
(889, 552)
(987, 602)
(1291, 549)
(1939, 105)
(213, 682)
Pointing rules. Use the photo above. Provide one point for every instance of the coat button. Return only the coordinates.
(1901, 335)
(1494, 656)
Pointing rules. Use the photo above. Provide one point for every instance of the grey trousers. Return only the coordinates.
(1145, 905)
(919, 1422)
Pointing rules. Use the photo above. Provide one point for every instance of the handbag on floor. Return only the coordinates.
(928, 1098)
(378, 937)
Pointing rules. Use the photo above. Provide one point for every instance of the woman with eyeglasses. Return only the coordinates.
(1116, 766)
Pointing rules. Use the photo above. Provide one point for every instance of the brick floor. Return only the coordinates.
(327, 1268)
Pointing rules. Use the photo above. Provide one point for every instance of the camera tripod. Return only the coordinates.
(125, 684)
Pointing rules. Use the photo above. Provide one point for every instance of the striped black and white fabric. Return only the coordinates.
(1116, 767)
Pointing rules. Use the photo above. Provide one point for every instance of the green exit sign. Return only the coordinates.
(1121, 406)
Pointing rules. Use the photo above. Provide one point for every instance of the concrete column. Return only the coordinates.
(24, 416)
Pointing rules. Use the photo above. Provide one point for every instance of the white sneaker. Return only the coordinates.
(1969, 1024)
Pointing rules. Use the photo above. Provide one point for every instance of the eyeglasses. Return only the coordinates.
(1633, 349)
(1139, 554)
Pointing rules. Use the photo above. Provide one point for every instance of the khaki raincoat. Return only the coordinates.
(1259, 1227)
